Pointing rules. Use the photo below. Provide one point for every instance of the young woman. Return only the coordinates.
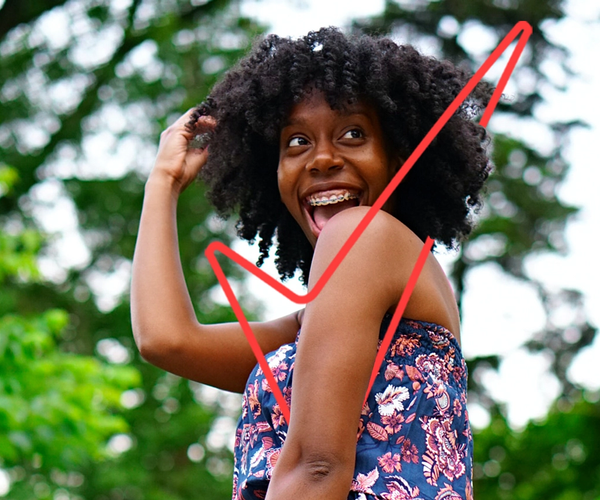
(304, 137)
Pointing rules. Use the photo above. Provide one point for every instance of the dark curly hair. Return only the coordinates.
(409, 91)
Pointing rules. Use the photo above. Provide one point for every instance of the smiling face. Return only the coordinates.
(331, 160)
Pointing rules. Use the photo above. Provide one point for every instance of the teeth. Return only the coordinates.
(321, 200)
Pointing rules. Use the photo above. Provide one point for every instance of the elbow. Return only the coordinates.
(146, 350)
(312, 476)
(322, 468)
(152, 348)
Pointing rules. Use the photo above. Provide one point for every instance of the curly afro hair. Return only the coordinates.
(409, 91)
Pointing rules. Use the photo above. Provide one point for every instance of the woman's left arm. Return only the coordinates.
(336, 353)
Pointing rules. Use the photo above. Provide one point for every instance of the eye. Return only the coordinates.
(355, 133)
(297, 141)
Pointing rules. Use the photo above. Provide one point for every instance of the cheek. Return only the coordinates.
(285, 185)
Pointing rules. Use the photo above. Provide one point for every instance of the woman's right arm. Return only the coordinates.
(164, 323)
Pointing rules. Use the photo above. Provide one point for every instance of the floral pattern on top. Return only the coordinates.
(413, 442)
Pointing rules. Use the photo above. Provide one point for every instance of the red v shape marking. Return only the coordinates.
(522, 28)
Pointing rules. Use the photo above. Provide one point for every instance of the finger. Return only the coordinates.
(184, 119)
(204, 124)
(196, 158)
(207, 121)
(201, 133)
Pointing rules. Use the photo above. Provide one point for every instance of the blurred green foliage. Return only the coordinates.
(86, 86)
(81, 414)
(551, 459)
(56, 405)
(57, 409)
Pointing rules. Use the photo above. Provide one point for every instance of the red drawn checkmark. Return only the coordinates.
(216, 246)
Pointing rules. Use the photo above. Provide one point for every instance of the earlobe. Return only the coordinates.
(399, 162)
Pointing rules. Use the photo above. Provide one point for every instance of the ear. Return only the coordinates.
(397, 163)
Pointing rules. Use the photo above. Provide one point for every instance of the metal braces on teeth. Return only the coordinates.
(332, 200)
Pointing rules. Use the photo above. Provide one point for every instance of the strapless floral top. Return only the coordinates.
(414, 440)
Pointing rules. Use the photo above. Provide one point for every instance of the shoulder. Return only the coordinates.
(382, 261)
(383, 236)
(381, 230)
(384, 252)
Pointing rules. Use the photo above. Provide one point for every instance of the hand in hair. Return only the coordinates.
(179, 159)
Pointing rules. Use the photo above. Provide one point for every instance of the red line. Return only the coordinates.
(521, 27)
(404, 298)
(258, 354)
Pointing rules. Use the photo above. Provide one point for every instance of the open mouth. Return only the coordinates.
(322, 206)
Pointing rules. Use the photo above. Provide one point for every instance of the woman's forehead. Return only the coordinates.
(316, 101)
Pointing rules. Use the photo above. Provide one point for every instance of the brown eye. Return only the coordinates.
(297, 141)
(353, 134)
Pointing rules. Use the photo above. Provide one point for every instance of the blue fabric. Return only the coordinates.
(414, 440)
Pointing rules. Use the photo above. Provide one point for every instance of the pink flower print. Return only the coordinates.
(277, 417)
(405, 345)
(391, 399)
(459, 372)
(238, 438)
(398, 491)
(469, 489)
(447, 493)
(390, 463)
(409, 452)
(265, 385)
(365, 409)
(235, 483)
(267, 443)
(435, 390)
(396, 495)
(279, 356)
(363, 482)
(414, 374)
(253, 399)
(287, 395)
(439, 338)
(393, 423)
(272, 456)
(433, 366)
(443, 455)
(457, 408)
(361, 429)
(262, 426)
(393, 371)
(280, 371)
(442, 399)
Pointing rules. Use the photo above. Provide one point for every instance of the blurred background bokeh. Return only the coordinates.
(86, 86)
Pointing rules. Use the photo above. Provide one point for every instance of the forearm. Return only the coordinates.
(161, 307)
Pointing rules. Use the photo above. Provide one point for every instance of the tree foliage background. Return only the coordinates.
(85, 88)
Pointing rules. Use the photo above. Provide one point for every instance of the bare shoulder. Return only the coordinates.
(387, 251)
(382, 229)
(385, 244)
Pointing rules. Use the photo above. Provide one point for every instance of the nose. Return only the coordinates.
(324, 158)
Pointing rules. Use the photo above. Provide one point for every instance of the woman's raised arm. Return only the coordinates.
(164, 323)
